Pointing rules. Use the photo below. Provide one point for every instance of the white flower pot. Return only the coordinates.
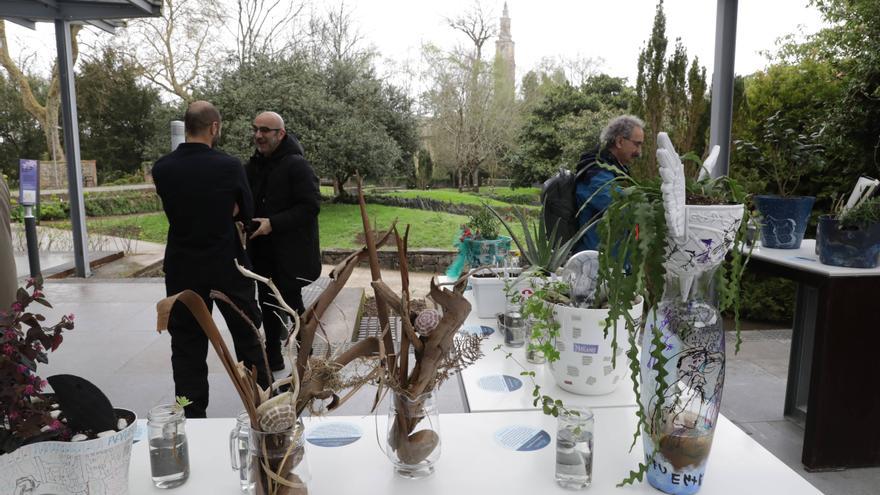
(489, 293)
(96, 467)
(585, 355)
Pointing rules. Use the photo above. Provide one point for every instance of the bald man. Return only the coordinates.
(204, 191)
(283, 243)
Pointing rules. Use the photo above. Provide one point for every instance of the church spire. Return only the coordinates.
(504, 35)
(505, 67)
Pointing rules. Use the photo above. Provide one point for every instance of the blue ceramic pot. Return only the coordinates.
(854, 248)
(784, 220)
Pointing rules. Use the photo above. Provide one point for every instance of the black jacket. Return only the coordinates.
(285, 190)
(200, 187)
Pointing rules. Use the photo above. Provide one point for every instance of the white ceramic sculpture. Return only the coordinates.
(699, 236)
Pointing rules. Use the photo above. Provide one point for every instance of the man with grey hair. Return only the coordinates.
(620, 143)
(283, 242)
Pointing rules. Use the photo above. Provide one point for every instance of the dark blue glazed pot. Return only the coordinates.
(784, 220)
(854, 248)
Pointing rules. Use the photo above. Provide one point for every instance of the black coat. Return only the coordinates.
(200, 187)
(285, 190)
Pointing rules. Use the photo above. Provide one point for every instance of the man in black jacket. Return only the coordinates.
(203, 192)
(284, 243)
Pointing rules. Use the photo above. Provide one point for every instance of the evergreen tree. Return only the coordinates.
(114, 110)
(651, 102)
(670, 97)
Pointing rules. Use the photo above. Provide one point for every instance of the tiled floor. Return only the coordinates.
(115, 345)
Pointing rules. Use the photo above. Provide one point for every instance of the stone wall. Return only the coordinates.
(420, 260)
(54, 175)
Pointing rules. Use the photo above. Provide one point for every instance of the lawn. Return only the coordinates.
(503, 197)
(339, 225)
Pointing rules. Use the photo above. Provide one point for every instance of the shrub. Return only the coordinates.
(766, 298)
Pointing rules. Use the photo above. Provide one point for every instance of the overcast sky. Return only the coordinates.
(611, 30)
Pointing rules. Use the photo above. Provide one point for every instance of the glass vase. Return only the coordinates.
(413, 435)
(277, 462)
(238, 449)
(169, 456)
(684, 334)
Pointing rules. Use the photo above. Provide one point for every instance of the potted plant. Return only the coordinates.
(482, 243)
(544, 253)
(786, 156)
(68, 441)
(851, 238)
(487, 253)
(668, 241)
(572, 336)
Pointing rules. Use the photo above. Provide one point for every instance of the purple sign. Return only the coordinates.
(28, 181)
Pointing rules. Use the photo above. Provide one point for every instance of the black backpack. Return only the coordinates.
(560, 205)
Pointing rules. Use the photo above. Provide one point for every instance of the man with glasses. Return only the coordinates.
(283, 242)
(204, 191)
(620, 143)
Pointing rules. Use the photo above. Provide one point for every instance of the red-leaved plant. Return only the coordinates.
(24, 341)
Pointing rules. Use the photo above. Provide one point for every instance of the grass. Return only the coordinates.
(448, 196)
(339, 225)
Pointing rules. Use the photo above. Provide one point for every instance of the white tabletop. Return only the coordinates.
(472, 461)
(487, 390)
(805, 258)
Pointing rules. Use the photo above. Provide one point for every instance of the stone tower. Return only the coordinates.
(505, 66)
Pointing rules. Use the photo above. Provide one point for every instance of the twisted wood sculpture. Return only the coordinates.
(270, 411)
(430, 349)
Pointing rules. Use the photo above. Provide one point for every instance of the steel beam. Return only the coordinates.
(70, 125)
(722, 82)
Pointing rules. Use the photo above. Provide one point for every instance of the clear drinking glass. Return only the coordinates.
(277, 462)
(169, 458)
(238, 449)
(512, 326)
(574, 449)
(413, 435)
(533, 354)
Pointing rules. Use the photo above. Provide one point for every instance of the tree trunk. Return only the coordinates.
(52, 131)
(46, 115)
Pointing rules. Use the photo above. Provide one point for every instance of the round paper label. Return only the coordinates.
(499, 383)
(522, 438)
(334, 434)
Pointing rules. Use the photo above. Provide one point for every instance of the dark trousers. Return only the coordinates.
(189, 344)
(274, 318)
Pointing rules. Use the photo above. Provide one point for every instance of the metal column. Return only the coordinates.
(722, 82)
(70, 124)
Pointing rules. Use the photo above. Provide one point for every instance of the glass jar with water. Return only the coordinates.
(169, 457)
(574, 448)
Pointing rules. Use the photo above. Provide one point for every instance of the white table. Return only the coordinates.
(485, 396)
(833, 356)
(473, 462)
(806, 259)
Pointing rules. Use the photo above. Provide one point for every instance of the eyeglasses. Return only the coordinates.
(263, 130)
(637, 143)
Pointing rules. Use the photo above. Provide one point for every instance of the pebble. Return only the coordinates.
(106, 433)
(55, 413)
(121, 424)
(79, 437)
